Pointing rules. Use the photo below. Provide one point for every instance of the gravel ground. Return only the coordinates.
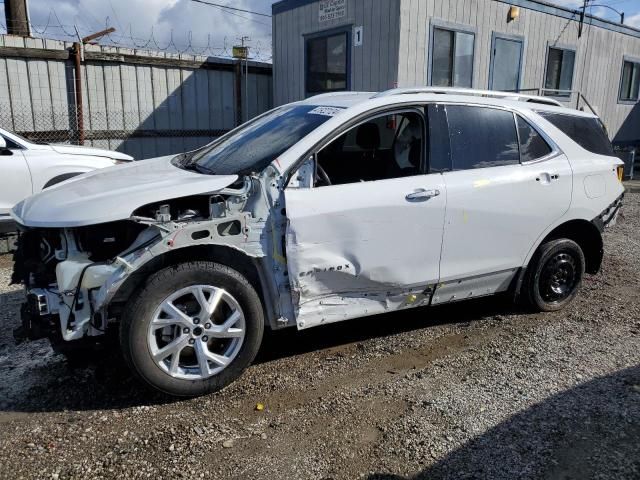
(475, 390)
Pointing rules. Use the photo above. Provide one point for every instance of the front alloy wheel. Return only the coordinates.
(196, 332)
(193, 328)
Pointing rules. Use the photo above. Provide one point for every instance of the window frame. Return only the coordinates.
(388, 110)
(331, 32)
(452, 27)
(632, 60)
(523, 48)
(555, 149)
(480, 105)
(564, 47)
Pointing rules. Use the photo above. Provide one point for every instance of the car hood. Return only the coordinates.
(89, 151)
(113, 193)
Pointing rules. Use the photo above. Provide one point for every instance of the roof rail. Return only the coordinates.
(470, 91)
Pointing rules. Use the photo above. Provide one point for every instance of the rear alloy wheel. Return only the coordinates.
(555, 274)
(193, 328)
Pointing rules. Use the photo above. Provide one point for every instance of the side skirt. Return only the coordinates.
(473, 287)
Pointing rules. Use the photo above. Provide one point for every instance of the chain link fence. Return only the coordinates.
(130, 132)
(38, 125)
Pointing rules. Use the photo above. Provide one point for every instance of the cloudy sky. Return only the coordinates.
(180, 23)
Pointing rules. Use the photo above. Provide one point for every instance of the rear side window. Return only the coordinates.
(586, 132)
(481, 137)
(532, 145)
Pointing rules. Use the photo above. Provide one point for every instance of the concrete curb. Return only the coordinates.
(632, 186)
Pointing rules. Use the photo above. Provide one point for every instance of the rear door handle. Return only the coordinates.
(422, 194)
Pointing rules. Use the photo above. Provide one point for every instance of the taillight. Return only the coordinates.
(620, 172)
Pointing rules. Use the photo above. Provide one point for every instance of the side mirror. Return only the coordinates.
(3, 147)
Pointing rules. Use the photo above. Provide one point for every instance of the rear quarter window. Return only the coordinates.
(586, 132)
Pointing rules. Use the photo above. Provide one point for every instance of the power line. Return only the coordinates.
(219, 5)
(239, 16)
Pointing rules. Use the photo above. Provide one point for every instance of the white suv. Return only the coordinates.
(29, 167)
(335, 207)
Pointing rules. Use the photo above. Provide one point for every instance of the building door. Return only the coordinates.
(506, 63)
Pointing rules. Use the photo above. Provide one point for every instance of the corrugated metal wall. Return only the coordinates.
(599, 52)
(143, 103)
(396, 45)
(373, 66)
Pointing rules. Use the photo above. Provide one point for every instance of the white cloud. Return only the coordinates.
(633, 20)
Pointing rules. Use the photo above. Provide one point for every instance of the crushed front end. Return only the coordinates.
(63, 271)
(78, 280)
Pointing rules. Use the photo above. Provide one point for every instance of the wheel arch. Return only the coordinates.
(231, 257)
(586, 234)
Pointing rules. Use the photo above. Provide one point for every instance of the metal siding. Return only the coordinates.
(216, 119)
(374, 65)
(203, 107)
(602, 48)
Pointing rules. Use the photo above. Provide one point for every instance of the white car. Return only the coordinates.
(336, 207)
(28, 167)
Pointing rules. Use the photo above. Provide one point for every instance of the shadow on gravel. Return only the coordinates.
(590, 431)
(289, 342)
(44, 382)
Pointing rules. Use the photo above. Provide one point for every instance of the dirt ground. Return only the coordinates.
(473, 390)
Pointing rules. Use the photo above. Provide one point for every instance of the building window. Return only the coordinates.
(630, 84)
(327, 63)
(452, 58)
(559, 76)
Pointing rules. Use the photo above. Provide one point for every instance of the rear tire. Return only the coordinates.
(207, 314)
(554, 275)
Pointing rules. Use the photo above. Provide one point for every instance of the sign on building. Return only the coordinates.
(332, 9)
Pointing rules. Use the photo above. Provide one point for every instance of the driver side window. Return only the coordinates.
(387, 146)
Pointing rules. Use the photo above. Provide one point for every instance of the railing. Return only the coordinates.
(553, 92)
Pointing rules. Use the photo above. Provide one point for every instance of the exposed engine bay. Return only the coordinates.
(77, 279)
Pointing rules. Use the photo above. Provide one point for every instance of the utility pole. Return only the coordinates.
(241, 52)
(246, 77)
(78, 56)
(584, 8)
(17, 17)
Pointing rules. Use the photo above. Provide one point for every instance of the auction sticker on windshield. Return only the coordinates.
(327, 111)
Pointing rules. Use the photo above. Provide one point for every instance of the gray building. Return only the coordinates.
(372, 45)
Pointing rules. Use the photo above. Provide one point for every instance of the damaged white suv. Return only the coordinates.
(340, 206)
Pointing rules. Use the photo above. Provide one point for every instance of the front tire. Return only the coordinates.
(554, 275)
(192, 329)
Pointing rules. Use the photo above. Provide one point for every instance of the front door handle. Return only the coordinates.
(422, 194)
(545, 177)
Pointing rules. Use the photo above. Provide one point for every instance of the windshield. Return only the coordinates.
(257, 144)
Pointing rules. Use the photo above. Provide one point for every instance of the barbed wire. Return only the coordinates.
(54, 29)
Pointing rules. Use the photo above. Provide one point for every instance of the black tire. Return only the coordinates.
(554, 275)
(139, 312)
